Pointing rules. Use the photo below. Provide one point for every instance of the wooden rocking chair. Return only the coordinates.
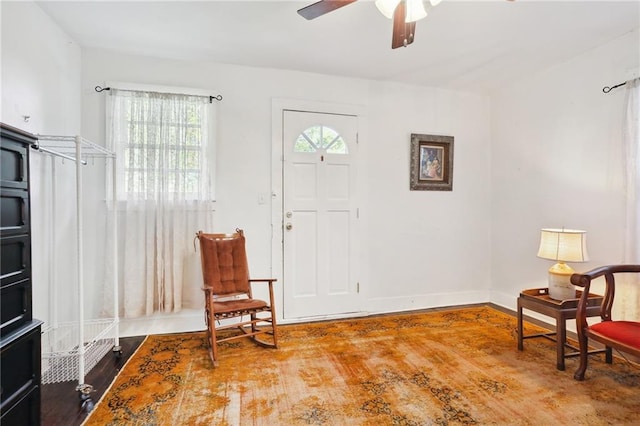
(228, 294)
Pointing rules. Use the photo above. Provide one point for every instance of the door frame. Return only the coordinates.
(278, 106)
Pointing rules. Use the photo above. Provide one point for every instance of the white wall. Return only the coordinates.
(557, 161)
(551, 142)
(426, 248)
(40, 68)
(40, 71)
(528, 160)
(412, 231)
(414, 243)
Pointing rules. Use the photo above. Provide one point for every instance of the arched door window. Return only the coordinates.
(320, 138)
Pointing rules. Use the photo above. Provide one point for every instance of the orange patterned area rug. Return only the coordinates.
(450, 367)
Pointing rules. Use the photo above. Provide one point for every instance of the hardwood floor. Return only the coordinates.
(61, 403)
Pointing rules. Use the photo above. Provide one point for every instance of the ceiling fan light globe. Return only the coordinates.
(415, 11)
(387, 7)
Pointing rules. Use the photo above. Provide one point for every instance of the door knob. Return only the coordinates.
(288, 226)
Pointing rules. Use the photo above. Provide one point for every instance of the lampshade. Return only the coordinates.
(387, 7)
(414, 12)
(563, 245)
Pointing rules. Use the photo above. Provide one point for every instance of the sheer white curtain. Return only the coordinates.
(631, 139)
(165, 155)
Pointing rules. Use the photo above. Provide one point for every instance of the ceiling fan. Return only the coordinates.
(404, 14)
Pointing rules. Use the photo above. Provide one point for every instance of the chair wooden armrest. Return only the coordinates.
(270, 282)
(621, 335)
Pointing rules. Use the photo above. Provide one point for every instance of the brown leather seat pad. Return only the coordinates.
(238, 305)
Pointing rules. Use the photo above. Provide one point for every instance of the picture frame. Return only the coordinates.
(431, 166)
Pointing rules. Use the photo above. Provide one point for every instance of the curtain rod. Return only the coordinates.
(102, 89)
(607, 89)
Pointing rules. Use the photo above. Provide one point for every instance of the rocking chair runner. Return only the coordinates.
(228, 294)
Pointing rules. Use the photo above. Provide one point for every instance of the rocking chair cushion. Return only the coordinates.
(625, 332)
(225, 265)
(238, 305)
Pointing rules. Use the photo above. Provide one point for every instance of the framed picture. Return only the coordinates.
(431, 163)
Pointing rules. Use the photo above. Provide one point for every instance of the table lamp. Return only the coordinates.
(562, 245)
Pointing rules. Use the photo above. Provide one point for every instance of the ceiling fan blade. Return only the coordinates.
(403, 32)
(322, 7)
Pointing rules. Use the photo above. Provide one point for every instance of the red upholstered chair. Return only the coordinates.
(228, 295)
(621, 335)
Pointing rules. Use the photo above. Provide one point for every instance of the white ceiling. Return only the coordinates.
(466, 45)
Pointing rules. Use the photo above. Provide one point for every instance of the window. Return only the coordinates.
(162, 145)
(320, 138)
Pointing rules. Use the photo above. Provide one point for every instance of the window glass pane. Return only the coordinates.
(172, 159)
(338, 146)
(192, 181)
(320, 138)
(193, 115)
(328, 136)
(303, 145)
(193, 136)
(314, 134)
(192, 160)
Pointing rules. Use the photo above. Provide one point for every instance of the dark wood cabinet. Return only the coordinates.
(20, 347)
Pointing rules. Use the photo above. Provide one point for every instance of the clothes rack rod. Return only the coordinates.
(57, 154)
(102, 89)
(86, 143)
(607, 89)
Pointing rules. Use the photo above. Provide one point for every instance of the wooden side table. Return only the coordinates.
(538, 300)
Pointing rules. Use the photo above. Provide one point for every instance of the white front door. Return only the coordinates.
(319, 214)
